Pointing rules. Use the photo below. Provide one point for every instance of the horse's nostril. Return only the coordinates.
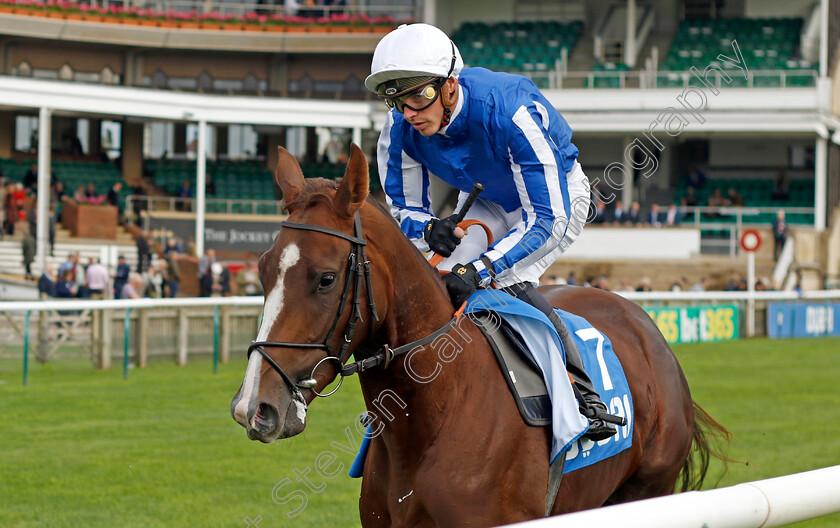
(266, 418)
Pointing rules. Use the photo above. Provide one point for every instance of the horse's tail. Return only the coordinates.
(710, 439)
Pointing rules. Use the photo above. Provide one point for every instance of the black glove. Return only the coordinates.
(461, 283)
(440, 235)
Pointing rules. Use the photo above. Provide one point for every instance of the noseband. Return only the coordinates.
(358, 269)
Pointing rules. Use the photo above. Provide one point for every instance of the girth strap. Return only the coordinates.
(555, 475)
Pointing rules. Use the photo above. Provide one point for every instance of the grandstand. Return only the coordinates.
(766, 118)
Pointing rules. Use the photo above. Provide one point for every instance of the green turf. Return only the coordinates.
(86, 448)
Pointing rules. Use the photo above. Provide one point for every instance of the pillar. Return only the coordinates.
(132, 152)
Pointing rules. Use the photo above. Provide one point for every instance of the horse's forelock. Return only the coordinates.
(316, 190)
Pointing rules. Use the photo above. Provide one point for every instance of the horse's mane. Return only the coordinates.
(321, 191)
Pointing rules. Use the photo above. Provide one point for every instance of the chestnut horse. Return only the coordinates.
(453, 451)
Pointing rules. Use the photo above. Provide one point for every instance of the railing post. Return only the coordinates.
(105, 353)
(126, 340)
(216, 339)
(95, 336)
(26, 349)
(224, 348)
(183, 336)
(142, 338)
(43, 337)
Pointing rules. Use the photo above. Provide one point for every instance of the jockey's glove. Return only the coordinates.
(461, 283)
(440, 235)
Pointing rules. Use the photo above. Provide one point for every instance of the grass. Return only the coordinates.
(86, 448)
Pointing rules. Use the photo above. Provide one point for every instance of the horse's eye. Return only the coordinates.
(327, 280)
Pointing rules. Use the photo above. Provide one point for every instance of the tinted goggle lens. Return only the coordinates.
(417, 100)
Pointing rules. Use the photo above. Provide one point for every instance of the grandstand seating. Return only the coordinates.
(520, 47)
(766, 43)
(72, 173)
(756, 193)
(237, 180)
(609, 74)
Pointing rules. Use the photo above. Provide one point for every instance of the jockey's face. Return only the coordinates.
(428, 120)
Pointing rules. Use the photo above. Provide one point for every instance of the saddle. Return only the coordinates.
(522, 375)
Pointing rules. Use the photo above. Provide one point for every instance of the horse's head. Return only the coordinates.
(312, 276)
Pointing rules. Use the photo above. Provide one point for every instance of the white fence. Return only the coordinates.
(762, 504)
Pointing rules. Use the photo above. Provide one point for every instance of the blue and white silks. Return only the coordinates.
(505, 135)
(600, 362)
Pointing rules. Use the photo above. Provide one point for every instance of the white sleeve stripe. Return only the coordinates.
(412, 182)
(507, 243)
(536, 138)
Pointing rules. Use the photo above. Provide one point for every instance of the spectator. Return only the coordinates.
(47, 282)
(602, 283)
(781, 188)
(28, 250)
(15, 196)
(700, 285)
(673, 216)
(780, 230)
(216, 283)
(625, 286)
(679, 285)
(634, 215)
(133, 286)
(58, 193)
(716, 200)
(80, 195)
(121, 276)
(140, 202)
(735, 283)
(113, 198)
(248, 279)
(570, 280)
(205, 262)
(173, 273)
(30, 179)
(617, 215)
(66, 286)
(51, 231)
(186, 194)
(156, 282)
(172, 247)
(644, 285)
(96, 279)
(91, 195)
(735, 198)
(600, 213)
(690, 197)
(694, 178)
(653, 216)
(144, 255)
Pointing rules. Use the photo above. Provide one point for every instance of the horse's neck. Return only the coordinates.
(416, 395)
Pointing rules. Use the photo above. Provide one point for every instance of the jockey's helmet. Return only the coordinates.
(411, 56)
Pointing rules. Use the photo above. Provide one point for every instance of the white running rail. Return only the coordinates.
(762, 504)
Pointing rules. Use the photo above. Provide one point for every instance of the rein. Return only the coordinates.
(358, 270)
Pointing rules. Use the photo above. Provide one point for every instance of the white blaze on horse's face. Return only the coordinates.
(271, 312)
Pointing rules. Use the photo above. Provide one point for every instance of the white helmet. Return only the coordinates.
(411, 51)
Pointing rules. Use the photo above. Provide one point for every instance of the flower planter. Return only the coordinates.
(275, 28)
(317, 29)
(339, 29)
(148, 23)
(111, 20)
(167, 24)
(232, 27)
(295, 29)
(54, 14)
(74, 16)
(130, 21)
(211, 25)
(89, 17)
(6, 8)
(382, 29)
(189, 25)
(253, 27)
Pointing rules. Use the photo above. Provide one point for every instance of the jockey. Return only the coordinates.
(474, 125)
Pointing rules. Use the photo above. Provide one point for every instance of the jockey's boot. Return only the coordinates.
(590, 403)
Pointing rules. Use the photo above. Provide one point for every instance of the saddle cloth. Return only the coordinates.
(531, 329)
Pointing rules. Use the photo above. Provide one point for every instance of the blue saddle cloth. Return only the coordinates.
(546, 351)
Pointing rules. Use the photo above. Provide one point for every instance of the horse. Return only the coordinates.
(452, 451)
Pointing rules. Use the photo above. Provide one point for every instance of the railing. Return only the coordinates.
(213, 205)
(643, 79)
(767, 503)
(409, 10)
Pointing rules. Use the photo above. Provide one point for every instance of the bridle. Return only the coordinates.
(358, 270)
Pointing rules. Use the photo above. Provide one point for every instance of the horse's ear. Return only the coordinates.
(288, 175)
(353, 189)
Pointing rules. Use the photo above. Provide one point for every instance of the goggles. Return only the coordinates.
(417, 99)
